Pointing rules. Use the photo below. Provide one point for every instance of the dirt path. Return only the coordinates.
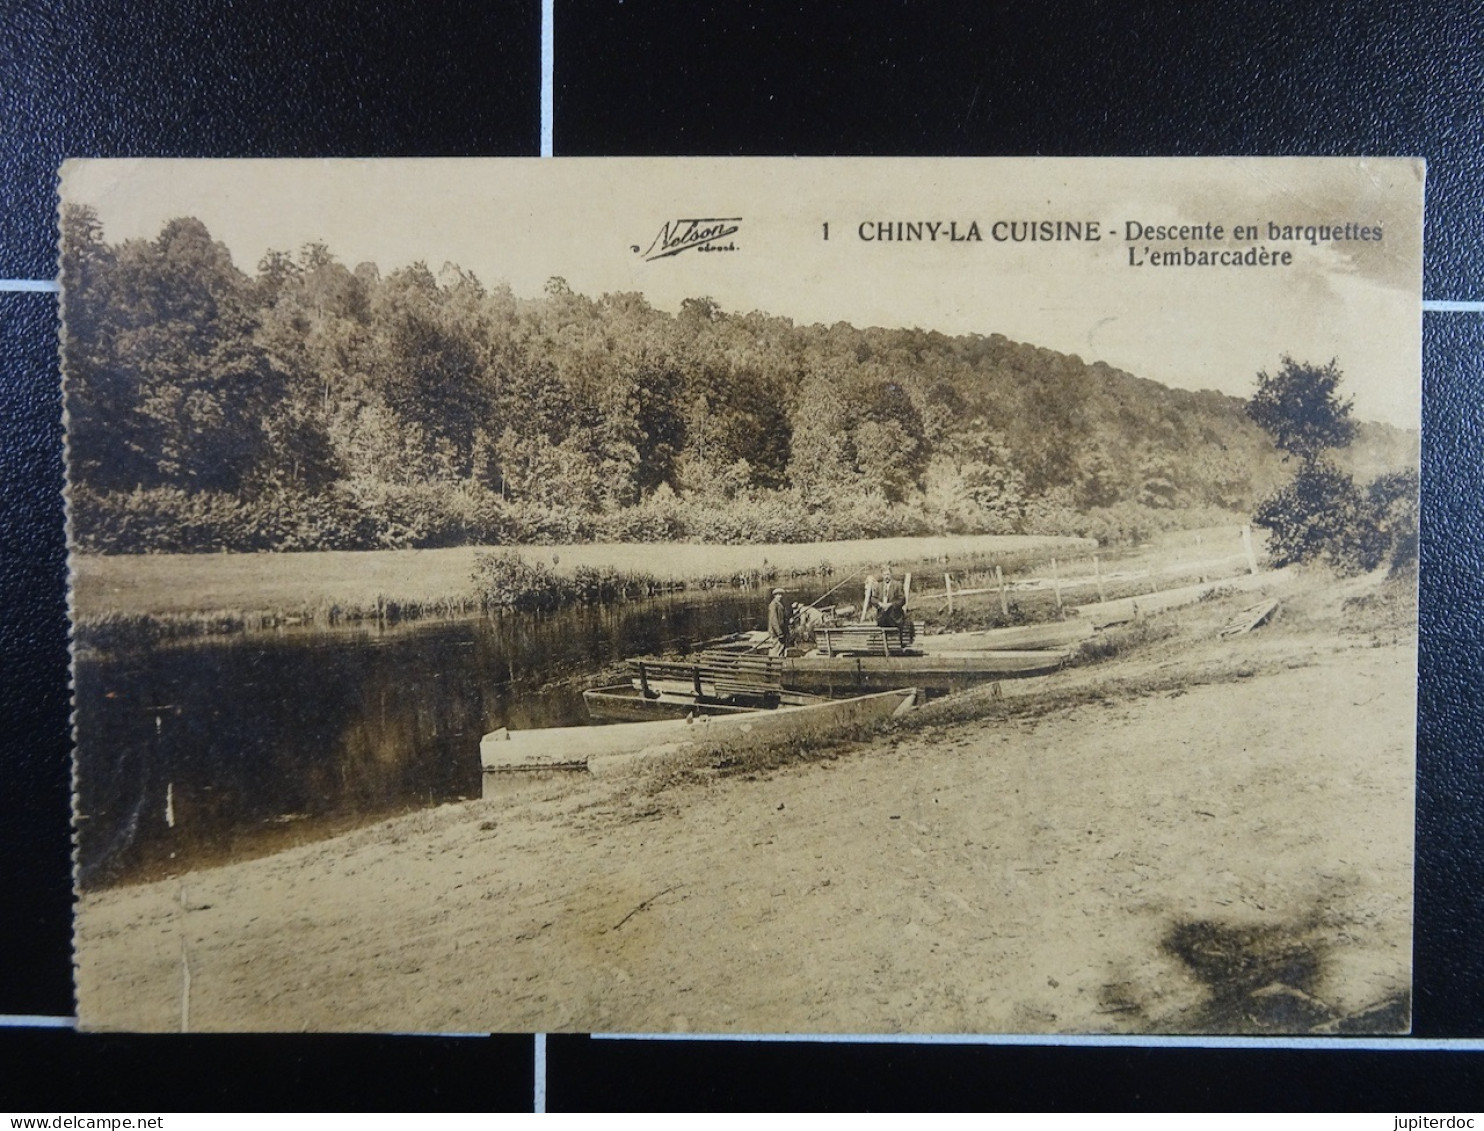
(1236, 856)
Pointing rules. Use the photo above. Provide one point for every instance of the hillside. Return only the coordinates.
(310, 405)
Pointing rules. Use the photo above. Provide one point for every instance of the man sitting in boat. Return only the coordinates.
(887, 601)
(806, 620)
(893, 614)
(780, 623)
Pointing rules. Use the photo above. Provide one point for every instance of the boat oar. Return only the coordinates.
(846, 581)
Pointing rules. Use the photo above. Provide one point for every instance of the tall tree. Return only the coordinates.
(1300, 407)
(314, 330)
(1321, 515)
(101, 398)
(174, 391)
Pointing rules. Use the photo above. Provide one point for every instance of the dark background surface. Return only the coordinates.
(377, 78)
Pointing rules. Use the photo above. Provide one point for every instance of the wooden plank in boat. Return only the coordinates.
(623, 702)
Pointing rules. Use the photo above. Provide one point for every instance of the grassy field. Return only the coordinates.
(359, 582)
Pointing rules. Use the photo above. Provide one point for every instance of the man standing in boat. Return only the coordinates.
(780, 623)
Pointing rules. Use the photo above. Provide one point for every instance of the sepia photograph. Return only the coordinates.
(751, 595)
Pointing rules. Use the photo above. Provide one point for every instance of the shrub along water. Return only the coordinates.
(115, 631)
(509, 581)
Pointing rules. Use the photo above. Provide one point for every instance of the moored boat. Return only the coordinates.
(1106, 613)
(603, 748)
(1021, 637)
(939, 674)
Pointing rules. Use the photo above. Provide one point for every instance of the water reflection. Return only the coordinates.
(201, 752)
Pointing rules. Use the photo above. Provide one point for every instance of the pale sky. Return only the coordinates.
(521, 221)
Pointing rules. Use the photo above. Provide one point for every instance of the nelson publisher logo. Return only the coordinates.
(691, 233)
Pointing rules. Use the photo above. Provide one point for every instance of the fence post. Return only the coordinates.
(1097, 569)
(999, 577)
(948, 588)
(1056, 584)
(1247, 545)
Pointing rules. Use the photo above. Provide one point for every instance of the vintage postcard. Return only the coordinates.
(744, 596)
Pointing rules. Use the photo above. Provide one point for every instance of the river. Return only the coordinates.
(207, 751)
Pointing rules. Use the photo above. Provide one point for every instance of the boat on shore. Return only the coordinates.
(601, 749)
(1022, 637)
(1104, 614)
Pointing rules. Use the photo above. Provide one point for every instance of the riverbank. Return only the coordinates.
(227, 592)
(1197, 835)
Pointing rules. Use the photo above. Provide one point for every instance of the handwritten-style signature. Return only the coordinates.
(700, 233)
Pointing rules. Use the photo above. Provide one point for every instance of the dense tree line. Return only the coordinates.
(314, 405)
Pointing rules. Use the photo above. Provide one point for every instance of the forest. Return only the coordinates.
(312, 405)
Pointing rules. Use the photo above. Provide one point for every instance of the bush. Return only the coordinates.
(1323, 517)
(1393, 497)
(1124, 523)
(368, 515)
(658, 518)
(159, 520)
(529, 523)
(362, 516)
(392, 516)
(509, 581)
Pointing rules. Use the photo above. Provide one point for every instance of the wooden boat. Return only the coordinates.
(1105, 613)
(855, 675)
(600, 749)
(626, 702)
(747, 679)
(1024, 637)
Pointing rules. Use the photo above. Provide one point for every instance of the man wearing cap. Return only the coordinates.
(780, 631)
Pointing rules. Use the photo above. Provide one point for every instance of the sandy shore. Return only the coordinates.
(1199, 836)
